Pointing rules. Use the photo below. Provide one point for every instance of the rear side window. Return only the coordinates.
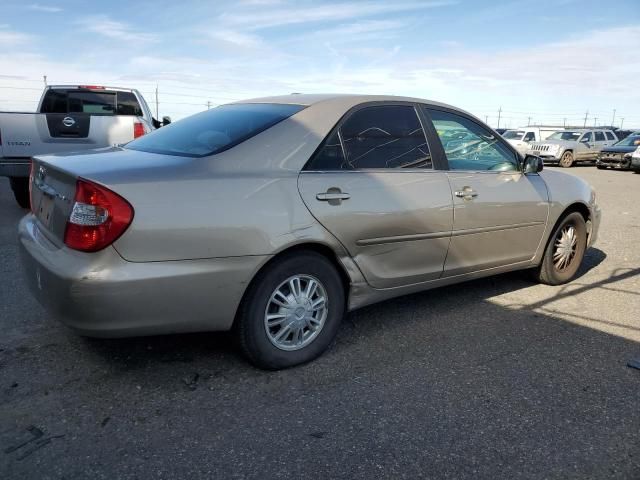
(386, 136)
(128, 104)
(599, 137)
(215, 130)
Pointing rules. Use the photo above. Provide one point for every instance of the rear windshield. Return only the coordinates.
(215, 130)
(91, 102)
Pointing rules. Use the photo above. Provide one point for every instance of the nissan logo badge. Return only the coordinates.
(68, 122)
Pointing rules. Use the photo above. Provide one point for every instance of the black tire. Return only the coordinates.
(250, 322)
(20, 187)
(548, 273)
(601, 167)
(566, 160)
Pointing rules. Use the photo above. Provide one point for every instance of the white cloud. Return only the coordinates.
(237, 38)
(260, 19)
(44, 8)
(105, 26)
(11, 38)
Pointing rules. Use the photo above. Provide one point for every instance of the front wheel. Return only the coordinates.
(20, 187)
(291, 312)
(566, 160)
(564, 252)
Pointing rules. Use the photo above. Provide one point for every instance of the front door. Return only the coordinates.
(372, 184)
(500, 214)
(586, 149)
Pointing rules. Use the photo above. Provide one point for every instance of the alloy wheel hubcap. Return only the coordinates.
(296, 312)
(565, 247)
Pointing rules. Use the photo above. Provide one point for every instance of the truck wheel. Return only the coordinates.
(20, 187)
(566, 160)
(564, 252)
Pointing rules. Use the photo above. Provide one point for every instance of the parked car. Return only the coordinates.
(521, 137)
(275, 216)
(619, 154)
(70, 118)
(567, 147)
(635, 161)
(501, 130)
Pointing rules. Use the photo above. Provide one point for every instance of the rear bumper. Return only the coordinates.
(15, 167)
(102, 295)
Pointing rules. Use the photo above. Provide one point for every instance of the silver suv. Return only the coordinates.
(569, 146)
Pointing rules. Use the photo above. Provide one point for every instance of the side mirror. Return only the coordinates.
(166, 121)
(532, 164)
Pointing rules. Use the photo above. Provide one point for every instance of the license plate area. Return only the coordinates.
(45, 209)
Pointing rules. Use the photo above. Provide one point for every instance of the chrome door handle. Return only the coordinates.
(467, 193)
(325, 197)
(334, 196)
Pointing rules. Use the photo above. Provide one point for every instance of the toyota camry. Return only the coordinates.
(274, 217)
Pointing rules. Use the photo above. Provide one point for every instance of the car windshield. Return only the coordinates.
(513, 134)
(573, 136)
(215, 130)
(630, 141)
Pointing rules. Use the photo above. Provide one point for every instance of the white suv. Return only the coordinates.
(569, 146)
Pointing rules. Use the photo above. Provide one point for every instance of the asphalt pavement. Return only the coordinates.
(495, 378)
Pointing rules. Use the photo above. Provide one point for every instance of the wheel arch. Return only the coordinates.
(578, 207)
(319, 248)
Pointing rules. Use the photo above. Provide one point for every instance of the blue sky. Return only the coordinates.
(548, 60)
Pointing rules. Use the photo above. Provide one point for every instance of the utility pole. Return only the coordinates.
(586, 115)
(614, 117)
(595, 122)
(157, 114)
(529, 122)
(486, 119)
(499, 113)
(621, 122)
(208, 104)
(44, 77)
(564, 123)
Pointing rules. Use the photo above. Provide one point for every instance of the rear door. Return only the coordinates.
(373, 185)
(500, 214)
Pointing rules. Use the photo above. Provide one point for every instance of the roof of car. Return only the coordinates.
(308, 99)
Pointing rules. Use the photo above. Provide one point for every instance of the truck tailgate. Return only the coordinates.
(27, 134)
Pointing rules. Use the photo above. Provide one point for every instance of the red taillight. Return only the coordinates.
(31, 185)
(99, 216)
(138, 129)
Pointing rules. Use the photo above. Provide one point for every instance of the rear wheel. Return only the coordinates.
(566, 160)
(292, 311)
(20, 187)
(564, 252)
(601, 167)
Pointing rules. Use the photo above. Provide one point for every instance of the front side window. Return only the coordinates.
(529, 137)
(630, 141)
(469, 146)
(587, 137)
(215, 130)
(599, 137)
(385, 136)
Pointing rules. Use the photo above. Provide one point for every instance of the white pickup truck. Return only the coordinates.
(70, 118)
